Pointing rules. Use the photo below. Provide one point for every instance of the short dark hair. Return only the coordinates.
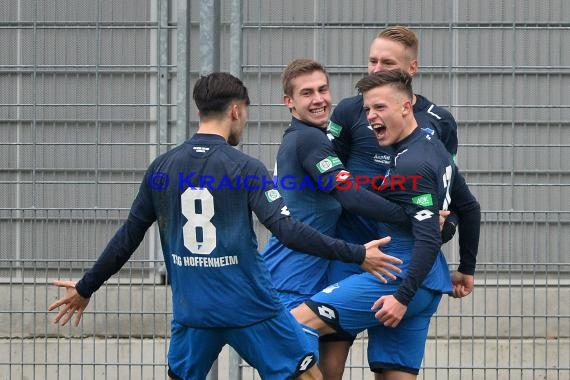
(214, 92)
(399, 79)
(299, 67)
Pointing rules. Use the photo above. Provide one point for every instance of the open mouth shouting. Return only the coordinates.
(379, 131)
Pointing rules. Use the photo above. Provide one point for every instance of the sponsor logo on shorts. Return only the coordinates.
(326, 312)
(306, 363)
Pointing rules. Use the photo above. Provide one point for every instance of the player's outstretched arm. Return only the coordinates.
(72, 303)
(378, 263)
(301, 237)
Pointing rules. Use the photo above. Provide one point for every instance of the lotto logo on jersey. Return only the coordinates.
(328, 163)
(272, 195)
(423, 215)
(423, 200)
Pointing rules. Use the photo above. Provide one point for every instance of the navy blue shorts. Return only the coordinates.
(279, 348)
(346, 308)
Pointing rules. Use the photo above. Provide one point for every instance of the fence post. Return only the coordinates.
(234, 367)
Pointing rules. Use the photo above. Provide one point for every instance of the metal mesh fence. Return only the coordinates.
(90, 92)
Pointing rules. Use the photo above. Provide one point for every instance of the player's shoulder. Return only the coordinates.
(432, 149)
(349, 105)
(303, 133)
(432, 110)
(239, 158)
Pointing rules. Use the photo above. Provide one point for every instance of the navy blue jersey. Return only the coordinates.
(202, 194)
(306, 162)
(355, 142)
(437, 121)
(357, 146)
(420, 177)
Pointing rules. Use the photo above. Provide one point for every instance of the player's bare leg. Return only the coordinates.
(312, 373)
(305, 316)
(333, 358)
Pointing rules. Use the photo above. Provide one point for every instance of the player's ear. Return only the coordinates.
(234, 111)
(413, 67)
(288, 101)
(407, 107)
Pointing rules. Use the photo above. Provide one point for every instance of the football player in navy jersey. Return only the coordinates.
(395, 47)
(202, 194)
(403, 307)
(313, 182)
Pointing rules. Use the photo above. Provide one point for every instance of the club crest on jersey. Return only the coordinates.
(423, 200)
(328, 163)
(334, 129)
(429, 131)
(272, 195)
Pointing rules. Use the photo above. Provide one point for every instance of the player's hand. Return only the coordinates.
(391, 311)
(72, 303)
(443, 214)
(379, 263)
(462, 284)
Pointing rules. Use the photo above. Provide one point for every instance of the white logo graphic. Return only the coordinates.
(446, 185)
(423, 215)
(285, 211)
(342, 176)
(326, 312)
(330, 288)
(305, 363)
(199, 233)
(433, 113)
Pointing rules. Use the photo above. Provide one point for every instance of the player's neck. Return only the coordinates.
(215, 127)
(409, 128)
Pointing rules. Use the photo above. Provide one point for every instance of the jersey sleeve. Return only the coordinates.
(301, 237)
(264, 200)
(368, 204)
(338, 131)
(469, 211)
(448, 128)
(269, 207)
(125, 241)
(319, 160)
(421, 205)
